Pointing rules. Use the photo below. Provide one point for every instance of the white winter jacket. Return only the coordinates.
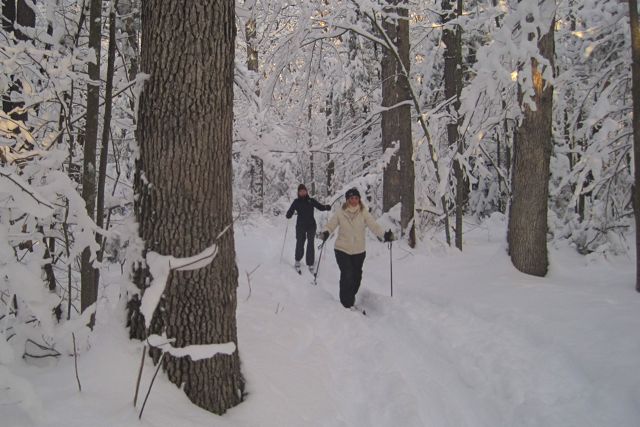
(351, 233)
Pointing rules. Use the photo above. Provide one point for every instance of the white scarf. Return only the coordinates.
(352, 211)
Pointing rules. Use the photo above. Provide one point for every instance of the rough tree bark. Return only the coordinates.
(530, 180)
(399, 175)
(452, 38)
(184, 182)
(88, 287)
(635, 73)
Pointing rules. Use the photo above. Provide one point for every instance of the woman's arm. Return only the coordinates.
(319, 206)
(333, 223)
(372, 224)
(291, 209)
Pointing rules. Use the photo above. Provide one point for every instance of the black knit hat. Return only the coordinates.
(352, 192)
(301, 187)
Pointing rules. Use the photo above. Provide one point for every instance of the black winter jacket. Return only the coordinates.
(304, 206)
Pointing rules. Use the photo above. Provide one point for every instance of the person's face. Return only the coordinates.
(354, 201)
(302, 193)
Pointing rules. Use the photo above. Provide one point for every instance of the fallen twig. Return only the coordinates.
(75, 361)
(249, 273)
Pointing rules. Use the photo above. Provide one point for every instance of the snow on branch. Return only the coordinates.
(195, 352)
(160, 266)
(25, 196)
(388, 154)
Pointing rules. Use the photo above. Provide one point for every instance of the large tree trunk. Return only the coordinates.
(530, 181)
(184, 185)
(88, 287)
(399, 175)
(452, 89)
(635, 73)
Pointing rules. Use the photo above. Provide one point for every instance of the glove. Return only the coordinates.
(324, 235)
(288, 215)
(388, 236)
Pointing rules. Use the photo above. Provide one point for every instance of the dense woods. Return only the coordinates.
(130, 127)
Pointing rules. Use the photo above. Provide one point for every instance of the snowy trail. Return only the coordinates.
(465, 341)
(431, 358)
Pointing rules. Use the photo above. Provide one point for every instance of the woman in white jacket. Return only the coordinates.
(352, 221)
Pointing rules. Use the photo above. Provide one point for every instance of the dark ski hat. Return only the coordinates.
(352, 192)
(301, 187)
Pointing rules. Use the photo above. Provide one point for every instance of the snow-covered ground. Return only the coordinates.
(466, 340)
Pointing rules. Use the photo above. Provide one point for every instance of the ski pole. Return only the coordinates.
(391, 266)
(284, 241)
(315, 274)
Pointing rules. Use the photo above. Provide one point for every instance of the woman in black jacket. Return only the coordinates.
(305, 225)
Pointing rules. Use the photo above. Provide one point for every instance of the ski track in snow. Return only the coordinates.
(465, 341)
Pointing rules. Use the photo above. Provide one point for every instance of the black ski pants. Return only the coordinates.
(350, 276)
(305, 235)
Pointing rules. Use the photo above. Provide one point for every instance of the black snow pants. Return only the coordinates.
(350, 276)
(305, 235)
